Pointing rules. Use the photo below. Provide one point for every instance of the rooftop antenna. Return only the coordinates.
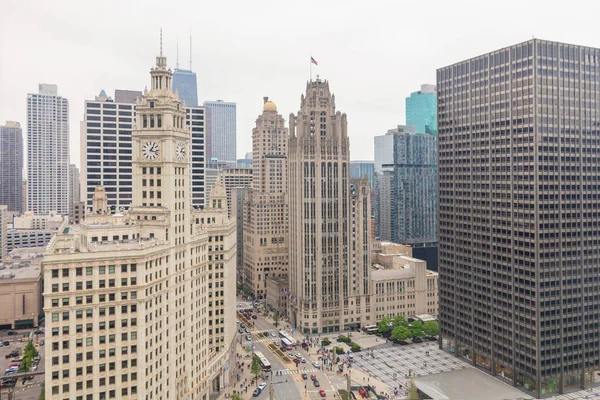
(177, 62)
(161, 41)
(190, 49)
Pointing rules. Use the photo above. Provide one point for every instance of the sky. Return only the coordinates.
(373, 53)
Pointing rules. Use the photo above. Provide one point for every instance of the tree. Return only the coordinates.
(256, 367)
(338, 350)
(384, 325)
(236, 397)
(401, 333)
(399, 320)
(276, 318)
(417, 329)
(325, 342)
(431, 328)
(355, 347)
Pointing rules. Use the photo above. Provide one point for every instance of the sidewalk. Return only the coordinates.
(245, 378)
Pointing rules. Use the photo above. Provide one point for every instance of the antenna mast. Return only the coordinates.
(161, 41)
(190, 49)
(177, 62)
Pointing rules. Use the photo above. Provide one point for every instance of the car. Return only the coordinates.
(12, 354)
(298, 355)
(1, 344)
(14, 365)
(317, 384)
(6, 343)
(313, 378)
(38, 332)
(322, 393)
(262, 386)
(304, 376)
(36, 359)
(273, 334)
(15, 359)
(254, 316)
(10, 333)
(248, 337)
(302, 359)
(256, 392)
(11, 370)
(316, 364)
(291, 355)
(34, 368)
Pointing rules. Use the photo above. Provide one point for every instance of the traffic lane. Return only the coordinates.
(284, 386)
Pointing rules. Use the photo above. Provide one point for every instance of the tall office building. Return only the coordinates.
(421, 110)
(184, 83)
(265, 209)
(106, 158)
(362, 169)
(235, 178)
(518, 209)
(141, 304)
(74, 186)
(4, 221)
(11, 166)
(47, 151)
(329, 217)
(412, 190)
(195, 119)
(221, 133)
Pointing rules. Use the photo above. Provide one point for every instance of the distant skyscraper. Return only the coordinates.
(47, 151)
(329, 221)
(384, 148)
(519, 238)
(106, 148)
(362, 169)
(421, 110)
(411, 190)
(184, 83)
(265, 218)
(4, 221)
(74, 186)
(11, 166)
(195, 119)
(221, 132)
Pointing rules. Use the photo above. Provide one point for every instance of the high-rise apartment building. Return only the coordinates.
(421, 110)
(4, 221)
(265, 209)
(329, 217)
(106, 158)
(221, 133)
(140, 304)
(362, 169)
(518, 210)
(11, 166)
(195, 119)
(184, 84)
(74, 186)
(47, 151)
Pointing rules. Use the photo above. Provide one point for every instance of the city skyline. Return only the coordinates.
(247, 69)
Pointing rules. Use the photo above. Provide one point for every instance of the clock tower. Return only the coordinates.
(160, 146)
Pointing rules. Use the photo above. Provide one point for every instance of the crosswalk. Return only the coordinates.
(307, 371)
(262, 340)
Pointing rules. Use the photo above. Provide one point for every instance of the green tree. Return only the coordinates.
(236, 397)
(399, 320)
(338, 350)
(416, 329)
(401, 333)
(325, 342)
(256, 367)
(431, 328)
(384, 325)
(355, 347)
(276, 318)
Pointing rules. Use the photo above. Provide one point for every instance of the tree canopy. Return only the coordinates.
(399, 320)
(431, 328)
(384, 325)
(401, 333)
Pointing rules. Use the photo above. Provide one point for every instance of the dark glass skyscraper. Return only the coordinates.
(184, 82)
(11, 166)
(518, 212)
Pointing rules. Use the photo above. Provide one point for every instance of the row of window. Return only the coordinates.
(101, 269)
(90, 285)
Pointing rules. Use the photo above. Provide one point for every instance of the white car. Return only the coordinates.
(298, 355)
(316, 364)
(262, 386)
(273, 334)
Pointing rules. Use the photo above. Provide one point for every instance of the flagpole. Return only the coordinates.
(310, 68)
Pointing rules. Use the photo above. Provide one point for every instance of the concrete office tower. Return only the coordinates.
(74, 186)
(237, 207)
(235, 178)
(47, 151)
(265, 208)
(158, 280)
(518, 205)
(421, 110)
(329, 219)
(11, 166)
(184, 84)
(221, 133)
(412, 191)
(362, 169)
(4, 221)
(195, 119)
(106, 158)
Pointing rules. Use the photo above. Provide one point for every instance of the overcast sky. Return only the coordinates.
(374, 53)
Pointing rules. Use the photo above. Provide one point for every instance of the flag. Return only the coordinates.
(312, 60)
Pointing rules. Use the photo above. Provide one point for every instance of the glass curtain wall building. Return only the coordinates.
(184, 83)
(11, 166)
(421, 110)
(519, 242)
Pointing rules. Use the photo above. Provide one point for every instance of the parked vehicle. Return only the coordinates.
(317, 384)
(10, 333)
(256, 392)
(322, 393)
(6, 343)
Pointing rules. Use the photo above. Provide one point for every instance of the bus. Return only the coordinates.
(264, 363)
(285, 335)
(370, 329)
(286, 344)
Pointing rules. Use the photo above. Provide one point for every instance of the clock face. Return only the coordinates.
(150, 150)
(180, 151)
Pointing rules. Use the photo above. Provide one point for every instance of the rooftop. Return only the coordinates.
(18, 270)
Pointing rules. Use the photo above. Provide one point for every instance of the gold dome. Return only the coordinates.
(269, 106)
